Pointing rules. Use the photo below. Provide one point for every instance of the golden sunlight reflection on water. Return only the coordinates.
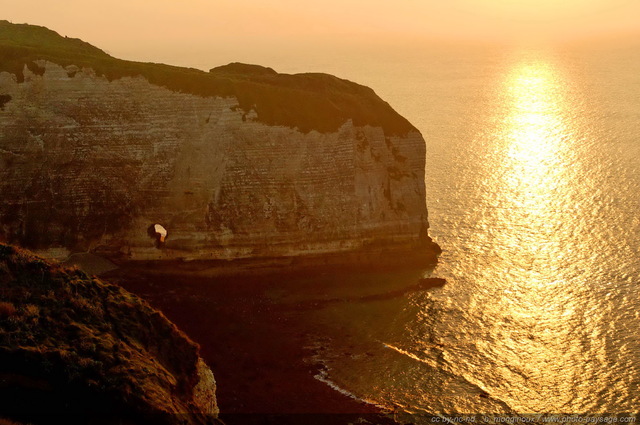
(540, 331)
(525, 340)
(534, 140)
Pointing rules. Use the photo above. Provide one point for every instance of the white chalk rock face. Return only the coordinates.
(90, 164)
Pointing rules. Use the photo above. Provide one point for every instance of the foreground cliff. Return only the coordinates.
(240, 162)
(77, 350)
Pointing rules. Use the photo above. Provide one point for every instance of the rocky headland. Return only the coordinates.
(106, 162)
(77, 350)
(238, 163)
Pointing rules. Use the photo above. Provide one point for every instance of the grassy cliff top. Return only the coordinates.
(310, 101)
(77, 348)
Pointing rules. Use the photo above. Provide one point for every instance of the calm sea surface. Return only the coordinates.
(533, 189)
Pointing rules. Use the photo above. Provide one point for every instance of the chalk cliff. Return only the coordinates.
(239, 162)
(77, 350)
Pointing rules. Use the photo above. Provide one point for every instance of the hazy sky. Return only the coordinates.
(140, 29)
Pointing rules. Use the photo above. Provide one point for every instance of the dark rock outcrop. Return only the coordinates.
(76, 350)
(237, 163)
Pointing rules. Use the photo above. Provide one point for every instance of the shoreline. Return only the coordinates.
(258, 349)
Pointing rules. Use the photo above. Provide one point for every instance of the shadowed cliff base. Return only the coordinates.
(77, 350)
(380, 258)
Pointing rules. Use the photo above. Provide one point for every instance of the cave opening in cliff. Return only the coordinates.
(159, 233)
(4, 99)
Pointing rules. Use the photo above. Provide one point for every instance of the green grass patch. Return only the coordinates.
(310, 101)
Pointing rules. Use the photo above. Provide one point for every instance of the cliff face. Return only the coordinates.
(246, 163)
(77, 350)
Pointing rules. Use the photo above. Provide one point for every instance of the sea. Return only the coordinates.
(533, 191)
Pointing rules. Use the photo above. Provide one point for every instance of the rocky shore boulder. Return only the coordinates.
(77, 350)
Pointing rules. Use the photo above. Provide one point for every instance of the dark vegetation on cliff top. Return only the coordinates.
(307, 101)
(77, 350)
